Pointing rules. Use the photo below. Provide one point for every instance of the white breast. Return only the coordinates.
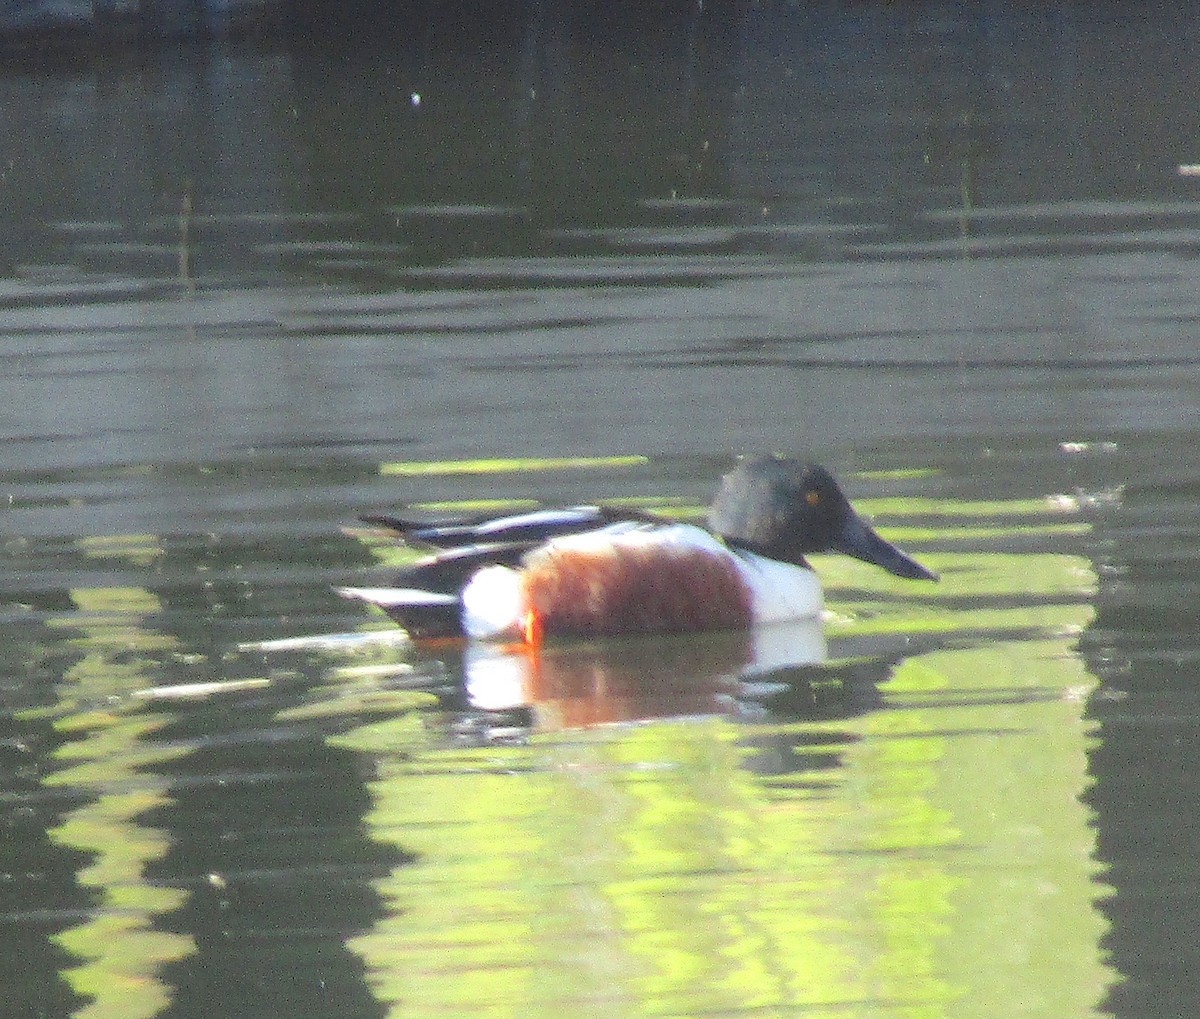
(782, 592)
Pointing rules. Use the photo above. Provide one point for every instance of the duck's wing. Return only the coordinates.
(526, 529)
(426, 597)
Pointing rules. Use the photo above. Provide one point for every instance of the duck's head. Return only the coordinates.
(784, 509)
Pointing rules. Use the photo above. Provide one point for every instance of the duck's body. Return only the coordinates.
(592, 571)
(626, 577)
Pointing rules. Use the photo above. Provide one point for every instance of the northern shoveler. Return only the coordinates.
(599, 570)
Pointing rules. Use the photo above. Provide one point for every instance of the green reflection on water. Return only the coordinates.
(925, 853)
(934, 860)
(1024, 902)
(110, 761)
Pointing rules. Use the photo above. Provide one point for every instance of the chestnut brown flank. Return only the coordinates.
(631, 589)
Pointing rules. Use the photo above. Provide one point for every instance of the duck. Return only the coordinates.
(593, 571)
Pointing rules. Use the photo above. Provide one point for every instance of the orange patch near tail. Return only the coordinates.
(533, 626)
(634, 589)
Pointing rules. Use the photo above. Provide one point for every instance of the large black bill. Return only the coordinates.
(860, 540)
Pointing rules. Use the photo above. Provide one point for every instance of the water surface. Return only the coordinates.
(249, 293)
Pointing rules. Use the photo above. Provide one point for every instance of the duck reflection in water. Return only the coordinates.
(576, 685)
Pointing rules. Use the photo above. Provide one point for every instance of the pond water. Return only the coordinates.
(249, 292)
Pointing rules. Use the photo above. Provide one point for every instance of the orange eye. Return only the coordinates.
(812, 497)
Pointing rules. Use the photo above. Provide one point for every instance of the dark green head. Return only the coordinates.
(783, 509)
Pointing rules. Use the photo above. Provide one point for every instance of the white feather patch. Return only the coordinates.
(493, 603)
(781, 591)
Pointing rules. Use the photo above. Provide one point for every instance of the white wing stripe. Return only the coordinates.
(573, 515)
(397, 596)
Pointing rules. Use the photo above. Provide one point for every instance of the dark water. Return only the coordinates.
(247, 293)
